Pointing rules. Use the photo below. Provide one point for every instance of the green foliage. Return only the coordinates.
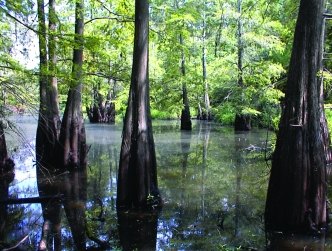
(328, 114)
(225, 247)
(212, 25)
(156, 114)
(225, 113)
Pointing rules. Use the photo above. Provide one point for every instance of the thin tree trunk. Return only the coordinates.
(296, 199)
(218, 34)
(42, 128)
(72, 135)
(323, 121)
(137, 178)
(207, 112)
(53, 89)
(185, 113)
(242, 121)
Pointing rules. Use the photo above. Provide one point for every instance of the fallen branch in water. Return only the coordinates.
(19, 243)
(11, 201)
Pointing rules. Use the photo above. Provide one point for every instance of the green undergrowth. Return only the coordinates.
(328, 114)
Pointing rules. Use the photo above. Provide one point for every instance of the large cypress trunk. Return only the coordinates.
(296, 199)
(48, 127)
(48, 120)
(137, 178)
(72, 135)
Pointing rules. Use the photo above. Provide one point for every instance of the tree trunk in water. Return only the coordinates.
(296, 199)
(6, 177)
(101, 111)
(72, 135)
(242, 121)
(48, 125)
(137, 178)
(185, 113)
(48, 120)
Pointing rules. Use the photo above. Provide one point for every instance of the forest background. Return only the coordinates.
(206, 46)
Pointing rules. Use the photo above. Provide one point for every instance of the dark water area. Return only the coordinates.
(213, 183)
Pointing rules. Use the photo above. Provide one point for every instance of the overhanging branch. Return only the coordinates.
(110, 18)
(327, 15)
(19, 21)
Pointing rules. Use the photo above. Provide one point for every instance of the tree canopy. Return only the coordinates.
(210, 45)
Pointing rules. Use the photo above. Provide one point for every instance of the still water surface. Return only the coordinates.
(213, 183)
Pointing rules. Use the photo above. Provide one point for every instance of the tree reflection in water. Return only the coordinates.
(283, 242)
(6, 177)
(138, 230)
(73, 186)
(213, 183)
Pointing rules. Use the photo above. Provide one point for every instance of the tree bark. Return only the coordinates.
(53, 89)
(296, 199)
(6, 177)
(207, 112)
(137, 178)
(185, 113)
(323, 121)
(242, 121)
(218, 34)
(101, 111)
(72, 135)
(49, 119)
(48, 122)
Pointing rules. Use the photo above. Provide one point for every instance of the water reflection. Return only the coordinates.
(213, 183)
(70, 190)
(6, 177)
(50, 186)
(240, 142)
(137, 230)
(280, 242)
(185, 149)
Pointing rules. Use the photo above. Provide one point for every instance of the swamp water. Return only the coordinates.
(213, 183)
